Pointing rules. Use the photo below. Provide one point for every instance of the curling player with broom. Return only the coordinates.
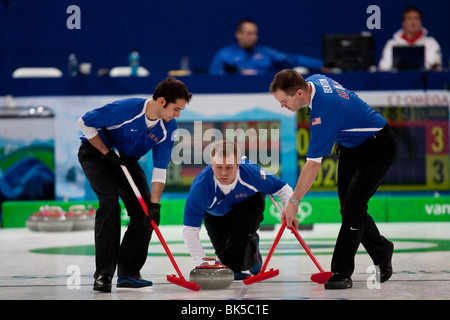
(229, 197)
(132, 127)
(367, 148)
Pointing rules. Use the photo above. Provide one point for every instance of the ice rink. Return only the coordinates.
(60, 266)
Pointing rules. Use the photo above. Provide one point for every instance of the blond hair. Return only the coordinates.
(224, 149)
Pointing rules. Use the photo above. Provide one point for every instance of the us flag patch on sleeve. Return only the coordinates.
(316, 121)
(263, 174)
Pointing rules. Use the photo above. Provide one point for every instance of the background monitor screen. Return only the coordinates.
(348, 51)
(411, 57)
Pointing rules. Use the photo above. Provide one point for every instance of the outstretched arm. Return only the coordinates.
(305, 181)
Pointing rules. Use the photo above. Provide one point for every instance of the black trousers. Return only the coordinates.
(109, 183)
(231, 234)
(360, 172)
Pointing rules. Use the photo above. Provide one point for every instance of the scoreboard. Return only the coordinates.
(422, 160)
(258, 140)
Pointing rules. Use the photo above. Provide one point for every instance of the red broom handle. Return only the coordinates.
(277, 239)
(297, 235)
(161, 239)
(305, 246)
(153, 223)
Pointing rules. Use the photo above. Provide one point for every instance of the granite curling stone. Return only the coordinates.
(82, 219)
(210, 277)
(54, 220)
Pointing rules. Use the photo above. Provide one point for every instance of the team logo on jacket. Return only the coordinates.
(240, 195)
(153, 137)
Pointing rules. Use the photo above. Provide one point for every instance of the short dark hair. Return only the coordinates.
(288, 81)
(172, 89)
(242, 22)
(411, 9)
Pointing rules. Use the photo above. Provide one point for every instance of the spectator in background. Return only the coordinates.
(412, 34)
(248, 58)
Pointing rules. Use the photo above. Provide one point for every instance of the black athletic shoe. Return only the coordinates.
(257, 256)
(241, 276)
(386, 266)
(103, 283)
(133, 282)
(337, 281)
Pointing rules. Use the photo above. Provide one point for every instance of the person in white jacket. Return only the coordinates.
(412, 34)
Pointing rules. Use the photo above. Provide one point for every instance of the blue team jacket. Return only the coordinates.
(125, 120)
(262, 59)
(206, 196)
(338, 115)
